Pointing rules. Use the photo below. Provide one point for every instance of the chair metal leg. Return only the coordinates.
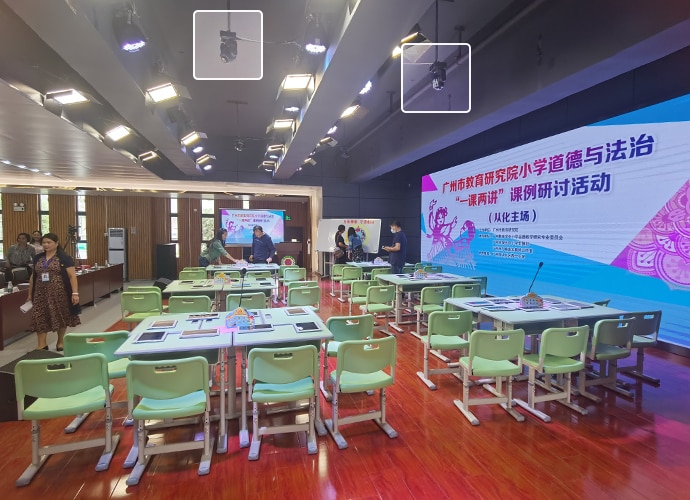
(381, 422)
(424, 376)
(332, 424)
(637, 370)
(463, 405)
(255, 445)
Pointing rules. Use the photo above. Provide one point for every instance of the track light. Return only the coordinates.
(205, 159)
(127, 32)
(414, 36)
(315, 38)
(148, 155)
(228, 46)
(438, 75)
(239, 145)
(192, 137)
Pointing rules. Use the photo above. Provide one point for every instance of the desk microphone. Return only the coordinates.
(243, 273)
(535, 277)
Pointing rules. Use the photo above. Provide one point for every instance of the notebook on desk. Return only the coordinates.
(263, 327)
(167, 323)
(203, 332)
(307, 326)
(158, 336)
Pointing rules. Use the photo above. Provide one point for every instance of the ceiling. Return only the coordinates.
(48, 45)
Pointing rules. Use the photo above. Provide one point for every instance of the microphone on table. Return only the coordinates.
(535, 277)
(243, 273)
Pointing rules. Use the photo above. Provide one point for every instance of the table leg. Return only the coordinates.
(244, 433)
(223, 425)
(398, 309)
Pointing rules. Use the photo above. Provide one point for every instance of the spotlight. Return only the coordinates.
(438, 73)
(127, 33)
(228, 46)
(239, 145)
(314, 42)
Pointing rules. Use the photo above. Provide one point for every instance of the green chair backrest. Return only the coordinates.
(352, 273)
(564, 342)
(351, 327)
(337, 271)
(450, 323)
(138, 302)
(106, 343)
(422, 265)
(433, 269)
(299, 284)
(283, 267)
(259, 274)
(466, 290)
(497, 346)
(379, 270)
(256, 300)
(483, 281)
(194, 268)
(381, 294)
(166, 379)
(434, 295)
(366, 356)
(614, 332)
(304, 296)
(295, 274)
(358, 288)
(142, 288)
(408, 269)
(282, 365)
(45, 378)
(189, 304)
(646, 323)
(193, 274)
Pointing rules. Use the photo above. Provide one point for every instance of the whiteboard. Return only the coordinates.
(370, 229)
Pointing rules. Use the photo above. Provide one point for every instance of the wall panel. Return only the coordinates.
(13, 222)
(63, 213)
(189, 232)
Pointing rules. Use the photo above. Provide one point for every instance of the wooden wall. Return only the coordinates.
(146, 220)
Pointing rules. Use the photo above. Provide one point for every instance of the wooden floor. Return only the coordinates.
(623, 449)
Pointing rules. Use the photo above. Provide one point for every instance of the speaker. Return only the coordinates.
(8, 395)
(166, 262)
(162, 283)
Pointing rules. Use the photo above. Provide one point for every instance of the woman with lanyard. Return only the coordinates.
(53, 292)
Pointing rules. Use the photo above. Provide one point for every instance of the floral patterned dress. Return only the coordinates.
(50, 301)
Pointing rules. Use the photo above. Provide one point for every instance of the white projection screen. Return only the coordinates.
(605, 207)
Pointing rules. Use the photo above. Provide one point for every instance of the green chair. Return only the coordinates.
(483, 281)
(305, 296)
(105, 343)
(492, 354)
(433, 269)
(422, 265)
(169, 389)
(431, 299)
(189, 304)
(350, 274)
(292, 274)
(645, 333)
(137, 306)
(336, 276)
(299, 284)
(194, 268)
(149, 288)
(448, 331)
(282, 375)
(461, 290)
(358, 292)
(408, 269)
(380, 299)
(562, 352)
(193, 274)
(343, 328)
(378, 270)
(256, 300)
(362, 365)
(78, 384)
(611, 341)
(259, 274)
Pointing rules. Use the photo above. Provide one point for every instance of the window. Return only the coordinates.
(43, 214)
(173, 226)
(81, 227)
(2, 247)
(208, 221)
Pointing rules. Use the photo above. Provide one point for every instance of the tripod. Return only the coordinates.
(70, 245)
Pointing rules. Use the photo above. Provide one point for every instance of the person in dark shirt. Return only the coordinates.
(263, 248)
(340, 243)
(398, 249)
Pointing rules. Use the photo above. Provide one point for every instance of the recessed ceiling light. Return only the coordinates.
(148, 155)
(332, 130)
(291, 109)
(34, 170)
(162, 92)
(298, 82)
(351, 110)
(20, 166)
(117, 133)
(283, 124)
(6, 162)
(366, 88)
(47, 173)
(69, 96)
(208, 167)
(197, 150)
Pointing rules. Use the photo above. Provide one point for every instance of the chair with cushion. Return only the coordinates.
(380, 299)
(305, 296)
(461, 290)
(483, 281)
(279, 375)
(137, 306)
(169, 389)
(562, 351)
(645, 333)
(611, 341)
(362, 365)
(20, 275)
(336, 276)
(350, 274)
(431, 299)
(291, 274)
(189, 304)
(358, 292)
(256, 300)
(448, 331)
(106, 343)
(492, 354)
(343, 328)
(78, 384)
(193, 274)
